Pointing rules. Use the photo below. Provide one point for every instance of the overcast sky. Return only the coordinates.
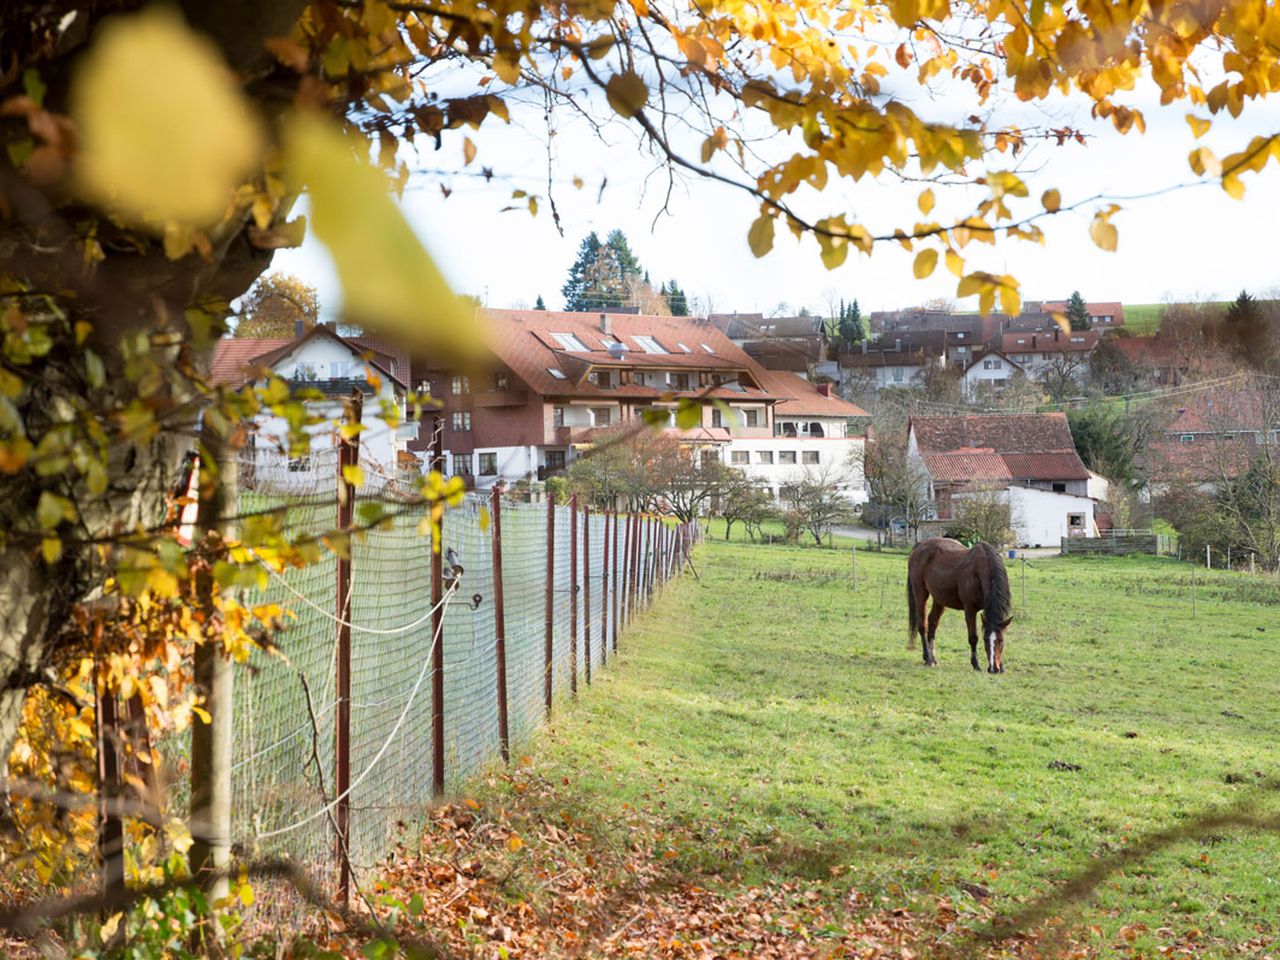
(1188, 243)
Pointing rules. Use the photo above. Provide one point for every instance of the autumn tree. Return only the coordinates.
(277, 306)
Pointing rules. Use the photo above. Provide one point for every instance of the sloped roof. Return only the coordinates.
(1224, 409)
(1075, 342)
(1154, 351)
(232, 355)
(1046, 466)
(1000, 433)
(988, 355)
(756, 326)
(966, 465)
(804, 399)
(523, 340)
(885, 358)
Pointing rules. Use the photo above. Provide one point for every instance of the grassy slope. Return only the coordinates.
(782, 723)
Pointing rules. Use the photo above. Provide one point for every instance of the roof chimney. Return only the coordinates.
(606, 325)
(897, 345)
(824, 389)
(299, 328)
(1033, 341)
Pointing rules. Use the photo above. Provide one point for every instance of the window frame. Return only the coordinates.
(490, 457)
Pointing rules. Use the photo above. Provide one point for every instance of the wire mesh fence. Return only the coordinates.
(569, 580)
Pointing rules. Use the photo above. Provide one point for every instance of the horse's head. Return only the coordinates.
(994, 635)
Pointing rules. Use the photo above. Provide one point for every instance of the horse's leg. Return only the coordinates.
(935, 614)
(971, 621)
(922, 603)
(989, 643)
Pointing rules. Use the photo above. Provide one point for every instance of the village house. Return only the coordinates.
(557, 381)
(795, 344)
(877, 369)
(335, 366)
(1039, 353)
(1027, 459)
(991, 371)
(1103, 314)
(1215, 437)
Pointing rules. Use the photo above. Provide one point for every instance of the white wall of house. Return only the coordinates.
(317, 360)
(1042, 518)
(777, 461)
(996, 371)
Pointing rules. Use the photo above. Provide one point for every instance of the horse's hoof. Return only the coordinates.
(976, 665)
(992, 670)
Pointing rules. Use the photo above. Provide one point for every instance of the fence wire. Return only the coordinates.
(286, 705)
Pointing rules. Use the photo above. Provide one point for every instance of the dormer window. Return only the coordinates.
(570, 342)
(649, 344)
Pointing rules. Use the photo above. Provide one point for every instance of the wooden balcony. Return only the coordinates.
(500, 398)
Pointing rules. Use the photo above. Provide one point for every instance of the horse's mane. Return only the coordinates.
(999, 605)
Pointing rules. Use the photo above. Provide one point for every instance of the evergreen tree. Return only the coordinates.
(539, 304)
(603, 275)
(677, 302)
(575, 288)
(851, 328)
(1078, 313)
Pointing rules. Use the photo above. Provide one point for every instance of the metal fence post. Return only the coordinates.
(551, 600)
(500, 623)
(586, 590)
(573, 595)
(437, 618)
(348, 456)
(633, 569)
(604, 591)
(617, 576)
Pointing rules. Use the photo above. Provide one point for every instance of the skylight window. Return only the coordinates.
(648, 344)
(570, 342)
(609, 340)
(707, 348)
(684, 348)
(556, 373)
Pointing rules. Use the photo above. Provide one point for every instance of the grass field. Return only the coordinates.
(1144, 318)
(773, 721)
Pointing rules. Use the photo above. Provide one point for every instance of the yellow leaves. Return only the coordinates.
(1199, 127)
(955, 263)
(1234, 186)
(514, 843)
(389, 281)
(718, 140)
(925, 262)
(1102, 231)
(54, 509)
(627, 93)
(925, 202)
(468, 151)
(834, 237)
(1051, 200)
(988, 286)
(760, 236)
(165, 134)
(1204, 162)
(353, 474)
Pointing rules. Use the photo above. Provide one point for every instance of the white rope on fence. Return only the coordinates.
(386, 744)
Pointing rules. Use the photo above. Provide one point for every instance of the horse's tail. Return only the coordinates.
(998, 606)
(913, 623)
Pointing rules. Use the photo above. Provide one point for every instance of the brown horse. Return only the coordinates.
(965, 579)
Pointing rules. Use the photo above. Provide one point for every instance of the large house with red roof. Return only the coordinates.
(1028, 458)
(557, 381)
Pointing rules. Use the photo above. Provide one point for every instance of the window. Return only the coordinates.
(488, 464)
(809, 456)
(1059, 488)
(462, 464)
(648, 344)
(461, 420)
(555, 459)
(557, 416)
(683, 348)
(500, 381)
(1188, 438)
(764, 456)
(739, 456)
(556, 373)
(960, 336)
(1077, 339)
(602, 379)
(601, 416)
(461, 385)
(786, 456)
(788, 430)
(680, 381)
(1075, 520)
(569, 342)
(707, 348)
(716, 419)
(1228, 436)
(304, 371)
(608, 340)
(897, 374)
(815, 429)
(300, 464)
(751, 418)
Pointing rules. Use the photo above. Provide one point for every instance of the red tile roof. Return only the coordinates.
(975, 465)
(804, 399)
(1001, 433)
(1046, 466)
(233, 356)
